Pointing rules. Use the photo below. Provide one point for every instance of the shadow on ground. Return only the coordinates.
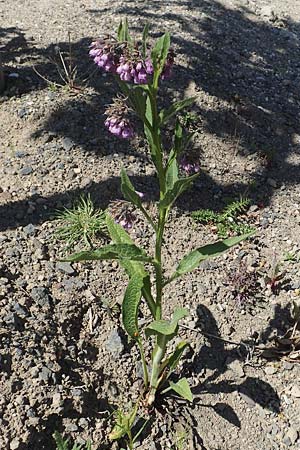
(251, 67)
(216, 357)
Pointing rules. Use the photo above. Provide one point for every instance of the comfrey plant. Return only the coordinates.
(139, 70)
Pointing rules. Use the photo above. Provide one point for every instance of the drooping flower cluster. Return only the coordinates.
(104, 52)
(135, 72)
(127, 60)
(167, 70)
(123, 214)
(118, 120)
(189, 164)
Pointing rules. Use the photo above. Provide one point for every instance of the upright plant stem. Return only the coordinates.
(160, 347)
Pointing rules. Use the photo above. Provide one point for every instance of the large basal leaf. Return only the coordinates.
(112, 251)
(120, 236)
(130, 305)
(181, 185)
(129, 191)
(182, 388)
(166, 114)
(193, 259)
(167, 327)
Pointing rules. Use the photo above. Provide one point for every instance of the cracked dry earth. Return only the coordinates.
(65, 361)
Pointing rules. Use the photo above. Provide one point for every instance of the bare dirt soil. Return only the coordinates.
(65, 361)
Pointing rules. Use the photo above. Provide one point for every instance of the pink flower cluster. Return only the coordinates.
(189, 166)
(167, 70)
(133, 72)
(119, 127)
(115, 57)
(103, 55)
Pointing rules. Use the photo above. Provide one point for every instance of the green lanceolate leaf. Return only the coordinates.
(172, 174)
(130, 305)
(166, 114)
(153, 147)
(182, 388)
(181, 185)
(123, 33)
(128, 190)
(116, 232)
(160, 52)
(144, 39)
(193, 259)
(112, 251)
(167, 327)
(181, 140)
(174, 359)
(120, 236)
(148, 111)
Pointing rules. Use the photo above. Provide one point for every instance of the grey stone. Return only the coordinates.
(12, 320)
(22, 112)
(29, 230)
(67, 144)
(235, 366)
(19, 310)
(291, 435)
(15, 444)
(20, 154)
(26, 170)
(83, 422)
(295, 391)
(31, 413)
(271, 182)
(57, 400)
(46, 375)
(65, 267)
(71, 427)
(41, 296)
(76, 392)
(270, 370)
(114, 344)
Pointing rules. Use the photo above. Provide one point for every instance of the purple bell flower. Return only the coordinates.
(188, 166)
(120, 128)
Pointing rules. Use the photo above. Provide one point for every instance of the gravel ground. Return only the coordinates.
(64, 359)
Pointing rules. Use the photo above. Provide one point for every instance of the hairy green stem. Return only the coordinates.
(148, 218)
(158, 354)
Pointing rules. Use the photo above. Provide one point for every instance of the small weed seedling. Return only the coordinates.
(64, 444)
(180, 441)
(124, 423)
(139, 70)
(110, 307)
(80, 224)
(66, 69)
(275, 279)
(292, 257)
(228, 221)
(244, 287)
